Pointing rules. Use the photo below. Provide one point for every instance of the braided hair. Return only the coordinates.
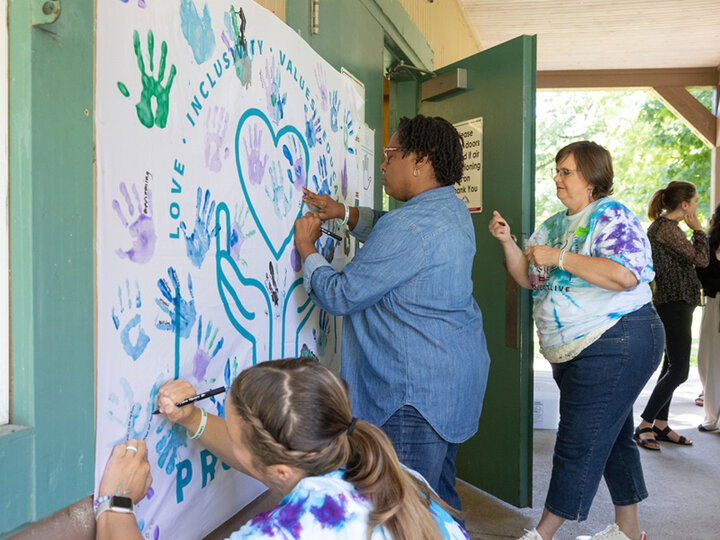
(437, 139)
(296, 412)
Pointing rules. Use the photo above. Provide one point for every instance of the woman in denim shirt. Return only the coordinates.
(590, 269)
(414, 351)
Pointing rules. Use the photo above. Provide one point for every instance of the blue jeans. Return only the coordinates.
(420, 448)
(597, 391)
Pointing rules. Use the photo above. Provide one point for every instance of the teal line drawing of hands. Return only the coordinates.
(205, 352)
(142, 229)
(170, 299)
(304, 310)
(237, 290)
(151, 87)
(198, 31)
(130, 312)
(197, 243)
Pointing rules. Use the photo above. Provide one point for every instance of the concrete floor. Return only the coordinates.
(683, 482)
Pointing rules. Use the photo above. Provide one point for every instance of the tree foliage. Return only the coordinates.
(649, 145)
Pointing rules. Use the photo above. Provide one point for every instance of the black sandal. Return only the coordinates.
(662, 435)
(645, 443)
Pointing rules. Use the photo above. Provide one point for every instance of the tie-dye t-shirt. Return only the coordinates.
(568, 307)
(329, 508)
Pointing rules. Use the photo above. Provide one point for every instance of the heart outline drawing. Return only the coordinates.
(285, 130)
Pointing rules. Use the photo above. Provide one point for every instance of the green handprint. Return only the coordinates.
(152, 88)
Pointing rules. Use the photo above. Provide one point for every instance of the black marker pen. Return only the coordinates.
(198, 397)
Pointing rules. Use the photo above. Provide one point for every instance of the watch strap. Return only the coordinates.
(111, 504)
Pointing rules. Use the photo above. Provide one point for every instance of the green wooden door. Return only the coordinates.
(501, 90)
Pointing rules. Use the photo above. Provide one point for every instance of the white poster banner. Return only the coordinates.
(210, 118)
(470, 188)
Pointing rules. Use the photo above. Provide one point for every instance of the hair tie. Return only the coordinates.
(351, 427)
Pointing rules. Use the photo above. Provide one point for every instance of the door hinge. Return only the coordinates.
(45, 11)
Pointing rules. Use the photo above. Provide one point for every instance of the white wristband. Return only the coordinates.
(203, 423)
(560, 259)
(347, 215)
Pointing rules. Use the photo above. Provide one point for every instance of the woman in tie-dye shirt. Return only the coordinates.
(589, 268)
(288, 423)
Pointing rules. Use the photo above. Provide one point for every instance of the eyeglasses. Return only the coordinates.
(564, 173)
(390, 149)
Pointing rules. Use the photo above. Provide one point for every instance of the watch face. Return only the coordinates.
(121, 502)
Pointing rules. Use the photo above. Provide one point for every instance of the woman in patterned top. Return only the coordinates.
(590, 268)
(677, 293)
(288, 424)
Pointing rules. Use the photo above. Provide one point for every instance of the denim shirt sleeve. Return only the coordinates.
(366, 221)
(392, 255)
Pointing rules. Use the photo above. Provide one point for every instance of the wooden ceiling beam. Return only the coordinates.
(598, 79)
(688, 109)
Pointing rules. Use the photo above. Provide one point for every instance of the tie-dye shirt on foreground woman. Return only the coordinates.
(328, 508)
(567, 307)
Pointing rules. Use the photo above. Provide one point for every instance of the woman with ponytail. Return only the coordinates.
(288, 424)
(677, 293)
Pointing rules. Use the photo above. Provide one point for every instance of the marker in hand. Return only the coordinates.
(198, 397)
(332, 234)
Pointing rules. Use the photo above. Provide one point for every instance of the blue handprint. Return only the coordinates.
(198, 32)
(233, 285)
(322, 186)
(129, 420)
(198, 242)
(229, 376)
(168, 445)
(326, 247)
(203, 354)
(321, 336)
(312, 127)
(239, 233)
(348, 132)
(280, 199)
(334, 108)
(133, 350)
(296, 171)
(171, 300)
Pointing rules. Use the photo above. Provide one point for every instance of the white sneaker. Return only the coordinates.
(612, 532)
(531, 535)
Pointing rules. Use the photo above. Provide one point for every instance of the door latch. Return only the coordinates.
(45, 11)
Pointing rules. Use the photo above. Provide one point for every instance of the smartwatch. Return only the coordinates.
(115, 503)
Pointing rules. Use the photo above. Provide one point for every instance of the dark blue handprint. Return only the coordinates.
(198, 242)
(175, 306)
(296, 171)
(322, 185)
(348, 132)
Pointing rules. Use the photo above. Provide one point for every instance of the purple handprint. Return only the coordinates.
(344, 180)
(312, 127)
(203, 354)
(296, 172)
(142, 229)
(256, 164)
(198, 242)
(322, 86)
(217, 124)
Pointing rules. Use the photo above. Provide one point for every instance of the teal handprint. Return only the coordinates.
(152, 87)
(198, 31)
